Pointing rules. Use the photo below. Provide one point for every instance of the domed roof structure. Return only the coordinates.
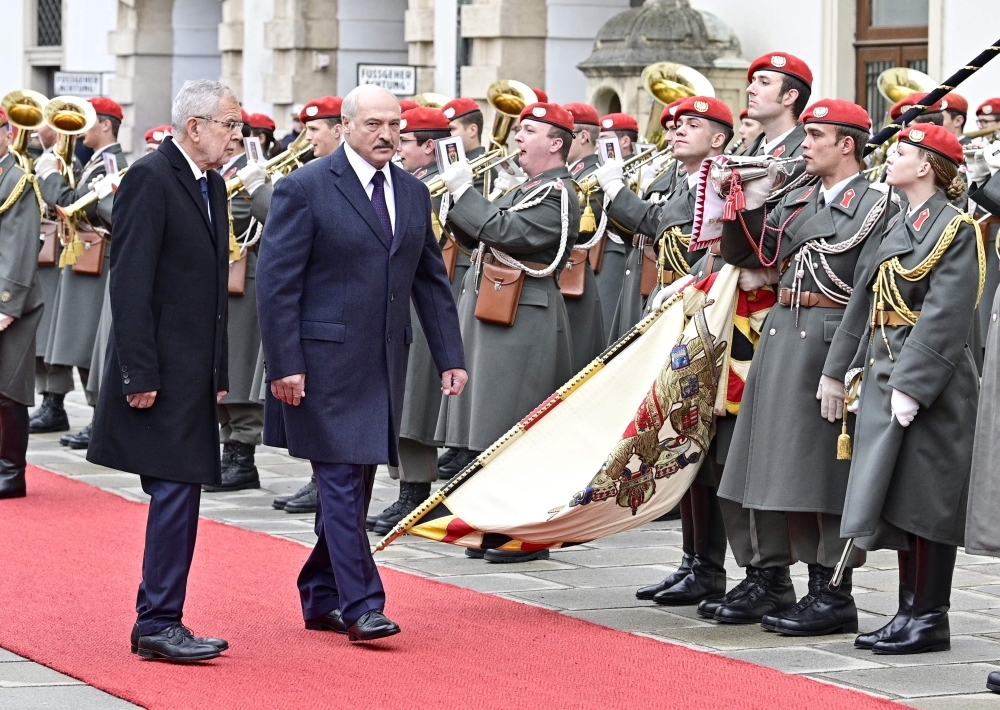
(663, 30)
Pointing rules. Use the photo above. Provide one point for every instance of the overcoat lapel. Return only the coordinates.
(352, 189)
(186, 177)
(401, 196)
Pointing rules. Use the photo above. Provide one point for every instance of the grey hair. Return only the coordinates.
(200, 97)
(349, 109)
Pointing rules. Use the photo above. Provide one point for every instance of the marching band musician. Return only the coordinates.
(704, 127)
(524, 238)
(76, 309)
(155, 136)
(21, 308)
(829, 237)
(916, 406)
(749, 128)
(988, 116)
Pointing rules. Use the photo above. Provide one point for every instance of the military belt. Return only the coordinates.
(890, 318)
(807, 299)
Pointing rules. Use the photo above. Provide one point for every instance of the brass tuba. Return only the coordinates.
(431, 100)
(897, 83)
(667, 82)
(69, 116)
(508, 98)
(25, 110)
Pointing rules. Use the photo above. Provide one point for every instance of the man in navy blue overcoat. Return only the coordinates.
(348, 243)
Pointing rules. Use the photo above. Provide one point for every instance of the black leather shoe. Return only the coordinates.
(238, 469)
(771, 592)
(80, 440)
(993, 681)
(280, 502)
(14, 425)
(508, 556)
(372, 625)
(176, 644)
(907, 582)
(647, 593)
(462, 459)
(305, 502)
(706, 580)
(447, 457)
(411, 495)
(12, 483)
(708, 607)
(821, 611)
(220, 644)
(50, 417)
(328, 622)
(475, 553)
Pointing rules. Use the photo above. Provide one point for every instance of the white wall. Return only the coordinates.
(962, 38)
(370, 33)
(86, 24)
(257, 59)
(12, 48)
(196, 41)
(573, 24)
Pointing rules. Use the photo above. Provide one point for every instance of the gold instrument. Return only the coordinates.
(69, 116)
(72, 213)
(284, 163)
(666, 82)
(25, 110)
(480, 166)
(630, 172)
(431, 100)
(983, 133)
(508, 98)
(897, 83)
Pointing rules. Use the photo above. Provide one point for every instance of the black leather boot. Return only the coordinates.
(508, 556)
(280, 502)
(907, 581)
(771, 592)
(928, 629)
(821, 611)
(305, 501)
(13, 448)
(462, 459)
(80, 440)
(447, 457)
(708, 607)
(51, 416)
(238, 472)
(410, 496)
(707, 580)
(993, 681)
(647, 593)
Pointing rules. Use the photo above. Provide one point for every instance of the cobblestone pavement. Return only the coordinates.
(595, 582)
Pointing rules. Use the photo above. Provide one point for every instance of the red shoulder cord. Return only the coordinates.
(759, 249)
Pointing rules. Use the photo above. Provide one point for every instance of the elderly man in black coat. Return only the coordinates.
(166, 364)
(348, 244)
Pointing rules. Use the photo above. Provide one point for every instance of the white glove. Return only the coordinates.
(106, 184)
(275, 176)
(666, 292)
(752, 279)
(252, 175)
(831, 398)
(611, 177)
(991, 156)
(457, 178)
(505, 182)
(47, 164)
(977, 171)
(5, 321)
(854, 406)
(904, 407)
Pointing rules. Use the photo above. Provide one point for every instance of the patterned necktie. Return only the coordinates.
(378, 202)
(203, 182)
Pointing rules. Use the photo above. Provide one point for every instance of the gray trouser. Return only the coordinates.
(815, 539)
(242, 423)
(759, 538)
(418, 463)
(52, 379)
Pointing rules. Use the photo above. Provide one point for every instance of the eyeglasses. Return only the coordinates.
(231, 126)
(407, 140)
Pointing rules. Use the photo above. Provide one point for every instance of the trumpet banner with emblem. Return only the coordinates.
(588, 462)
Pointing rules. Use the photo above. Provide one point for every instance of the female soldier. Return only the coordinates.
(918, 390)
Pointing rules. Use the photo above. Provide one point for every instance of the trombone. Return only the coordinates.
(667, 82)
(630, 168)
(480, 166)
(25, 110)
(72, 213)
(68, 116)
(284, 163)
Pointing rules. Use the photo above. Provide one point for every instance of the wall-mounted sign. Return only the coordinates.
(84, 84)
(399, 79)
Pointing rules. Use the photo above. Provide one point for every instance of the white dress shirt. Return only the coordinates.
(366, 171)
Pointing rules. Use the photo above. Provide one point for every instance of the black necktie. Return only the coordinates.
(822, 200)
(203, 182)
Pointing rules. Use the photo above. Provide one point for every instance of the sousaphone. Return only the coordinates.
(667, 82)
(25, 110)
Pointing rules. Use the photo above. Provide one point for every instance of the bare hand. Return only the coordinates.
(290, 390)
(220, 394)
(141, 400)
(453, 381)
(5, 321)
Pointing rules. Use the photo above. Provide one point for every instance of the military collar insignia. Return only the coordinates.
(533, 183)
(805, 195)
(778, 151)
(420, 173)
(701, 106)
(778, 61)
(849, 195)
(921, 218)
(578, 167)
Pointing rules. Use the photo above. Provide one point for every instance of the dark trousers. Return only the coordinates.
(171, 529)
(340, 573)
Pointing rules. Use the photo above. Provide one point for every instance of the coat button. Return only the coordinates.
(126, 380)
(872, 361)
(5, 296)
(124, 369)
(773, 331)
(994, 317)
(628, 271)
(388, 338)
(392, 297)
(802, 334)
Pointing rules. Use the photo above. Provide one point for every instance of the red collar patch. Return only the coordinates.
(778, 151)
(533, 183)
(230, 173)
(420, 173)
(578, 167)
(921, 218)
(845, 201)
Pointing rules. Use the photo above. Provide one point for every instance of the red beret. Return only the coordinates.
(784, 63)
(323, 107)
(156, 135)
(407, 104)
(706, 107)
(838, 112)
(261, 121)
(245, 117)
(667, 114)
(988, 107)
(583, 113)
(618, 122)
(901, 106)
(3, 117)
(955, 102)
(423, 118)
(745, 113)
(104, 106)
(541, 95)
(935, 138)
(456, 108)
(553, 114)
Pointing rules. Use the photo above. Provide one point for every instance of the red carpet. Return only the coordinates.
(69, 564)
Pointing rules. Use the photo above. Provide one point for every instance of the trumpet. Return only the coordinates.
(480, 166)
(630, 168)
(72, 213)
(69, 116)
(25, 110)
(283, 163)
